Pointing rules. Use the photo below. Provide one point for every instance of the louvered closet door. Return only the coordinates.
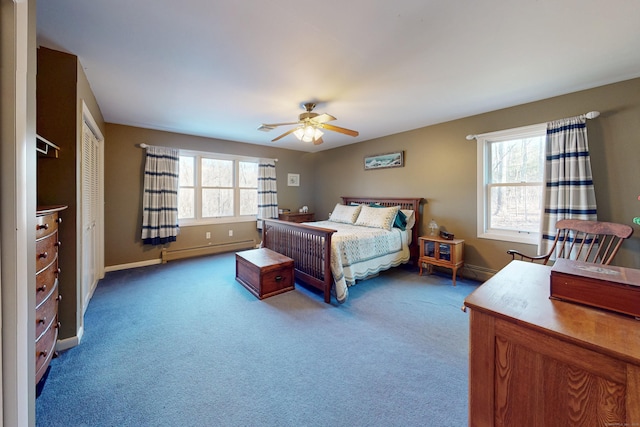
(90, 170)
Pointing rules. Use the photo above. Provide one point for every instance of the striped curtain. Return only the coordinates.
(160, 199)
(267, 190)
(569, 192)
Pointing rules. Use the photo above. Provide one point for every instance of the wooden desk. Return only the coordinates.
(534, 361)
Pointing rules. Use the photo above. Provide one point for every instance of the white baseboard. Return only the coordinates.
(132, 265)
(67, 343)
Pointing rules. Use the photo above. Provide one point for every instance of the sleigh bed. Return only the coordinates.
(311, 246)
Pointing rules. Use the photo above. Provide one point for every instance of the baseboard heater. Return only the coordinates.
(174, 254)
(476, 272)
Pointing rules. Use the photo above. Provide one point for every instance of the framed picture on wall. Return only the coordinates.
(293, 180)
(386, 160)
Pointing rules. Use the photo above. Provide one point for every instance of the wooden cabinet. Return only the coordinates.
(47, 288)
(443, 253)
(297, 217)
(535, 361)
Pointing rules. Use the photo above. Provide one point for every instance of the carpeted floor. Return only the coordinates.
(184, 344)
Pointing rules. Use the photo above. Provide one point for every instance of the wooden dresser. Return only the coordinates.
(297, 217)
(47, 295)
(534, 361)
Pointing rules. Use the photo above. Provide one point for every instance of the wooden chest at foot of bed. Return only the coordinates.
(264, 272)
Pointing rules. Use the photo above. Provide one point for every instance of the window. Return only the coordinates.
(511, 183)
(217, 188)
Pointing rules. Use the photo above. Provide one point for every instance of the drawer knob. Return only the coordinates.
(44, 226)
(59, 220)
(58, 325)
(43, 353)
(57, 244)
(58, 271)
(59, 297)
(42, 288)
(278, 278)
(43, 320)
(43, 255)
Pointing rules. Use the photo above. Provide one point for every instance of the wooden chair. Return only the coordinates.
(588, 241)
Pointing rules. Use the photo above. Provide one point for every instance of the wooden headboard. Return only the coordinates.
(412, 203)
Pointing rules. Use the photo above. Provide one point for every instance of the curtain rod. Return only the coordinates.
(590, 115)
(144, 145)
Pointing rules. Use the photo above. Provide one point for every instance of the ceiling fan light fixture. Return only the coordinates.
(309, 126)
(309, 133)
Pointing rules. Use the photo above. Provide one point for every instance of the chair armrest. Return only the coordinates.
(520, 256)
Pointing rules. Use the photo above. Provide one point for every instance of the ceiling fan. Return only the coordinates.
(309, 126)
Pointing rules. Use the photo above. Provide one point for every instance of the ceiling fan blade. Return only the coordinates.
(266, 127)
(289, 132)
(323, 118)
(318, 141)
(339, 129)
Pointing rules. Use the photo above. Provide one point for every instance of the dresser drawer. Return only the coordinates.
(46, 313)
(46, 224)
(45, 281)
(45, 349)
(46, 251)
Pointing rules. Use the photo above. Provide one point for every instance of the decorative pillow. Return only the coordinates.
(400, 221)
(344, 213)
(411, 218)
(377, 217)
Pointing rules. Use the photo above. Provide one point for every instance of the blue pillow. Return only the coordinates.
(400, 221)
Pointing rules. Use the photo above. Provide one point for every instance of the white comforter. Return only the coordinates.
(358, 252)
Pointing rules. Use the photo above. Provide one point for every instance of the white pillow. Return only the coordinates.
(344, 213)
(377, 217)
(411, 218)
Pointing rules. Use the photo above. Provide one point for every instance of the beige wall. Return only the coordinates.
(440, 166)
(124, 166)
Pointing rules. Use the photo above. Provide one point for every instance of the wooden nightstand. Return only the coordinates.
(443, 253)
(297, 217)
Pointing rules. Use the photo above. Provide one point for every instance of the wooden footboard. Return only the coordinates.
(309, 247)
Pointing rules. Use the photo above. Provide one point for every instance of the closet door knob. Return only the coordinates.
(43, 255)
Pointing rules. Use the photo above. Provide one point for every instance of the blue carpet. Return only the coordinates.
(184, 344)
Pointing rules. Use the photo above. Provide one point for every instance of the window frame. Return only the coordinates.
(236, 218)
(483, 172)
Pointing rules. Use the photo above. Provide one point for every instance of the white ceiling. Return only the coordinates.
(221, 68)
